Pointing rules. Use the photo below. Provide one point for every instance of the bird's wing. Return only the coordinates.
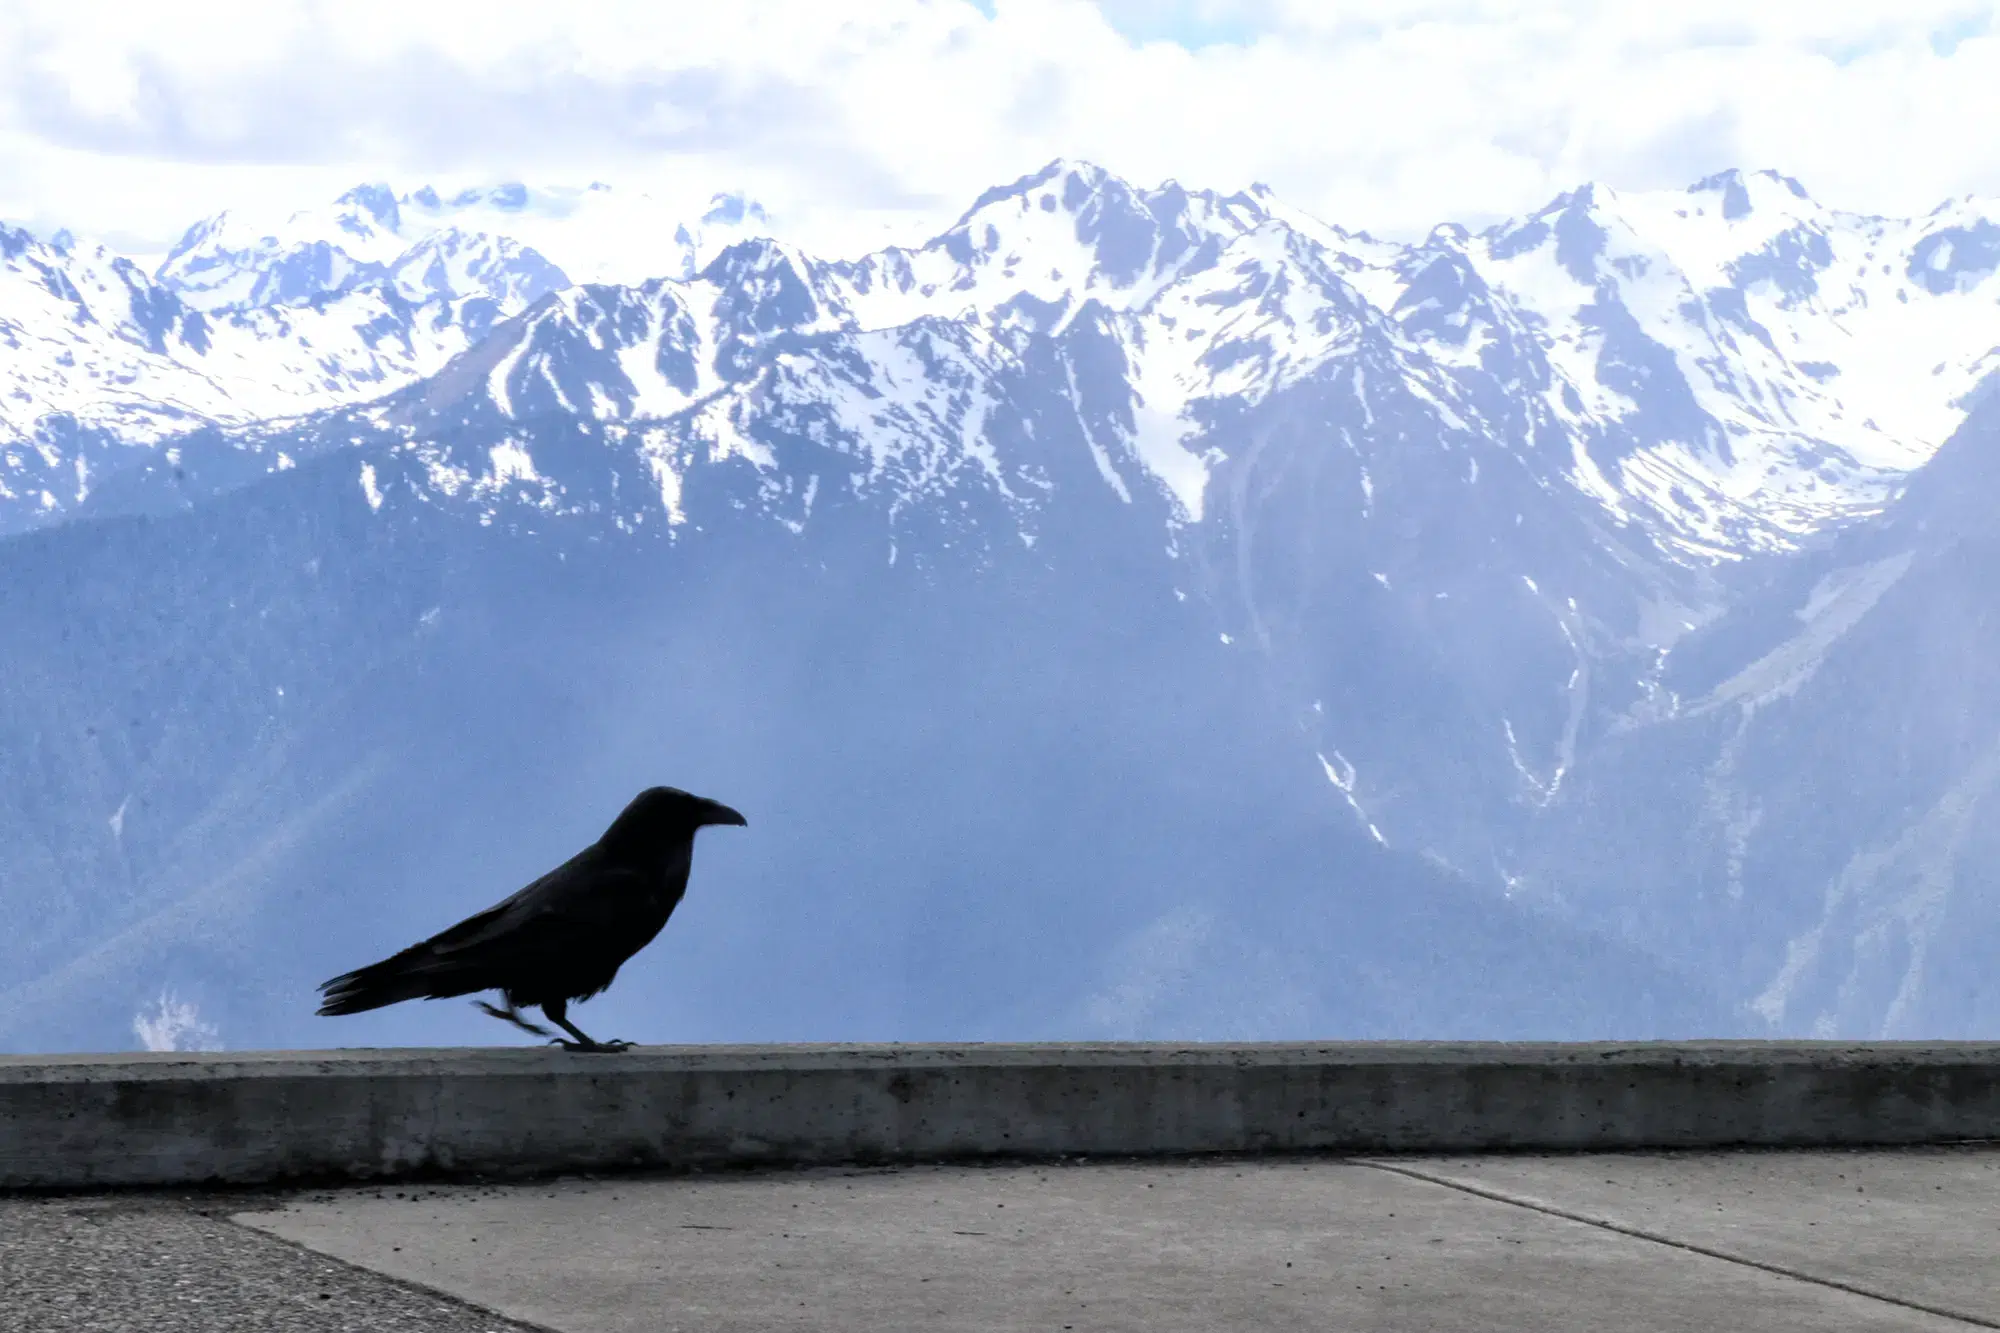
(566, 913)
(577, 899)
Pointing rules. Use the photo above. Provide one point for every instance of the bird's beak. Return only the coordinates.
(719, 813)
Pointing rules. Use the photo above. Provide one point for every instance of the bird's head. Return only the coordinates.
(661, 814)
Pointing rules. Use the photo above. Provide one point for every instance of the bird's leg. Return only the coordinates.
(511, 1015)
(558, 1012)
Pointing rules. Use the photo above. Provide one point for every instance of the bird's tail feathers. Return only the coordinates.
(414, 974)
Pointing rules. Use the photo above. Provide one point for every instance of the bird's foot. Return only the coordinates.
(510, 1015)
(598, 1046)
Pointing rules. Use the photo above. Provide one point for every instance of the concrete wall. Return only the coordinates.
(80, 1121)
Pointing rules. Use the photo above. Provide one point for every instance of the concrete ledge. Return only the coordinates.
(72, 1122)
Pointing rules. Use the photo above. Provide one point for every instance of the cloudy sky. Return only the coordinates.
(851, 118)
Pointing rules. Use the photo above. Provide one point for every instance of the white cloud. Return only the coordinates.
(1387, 114)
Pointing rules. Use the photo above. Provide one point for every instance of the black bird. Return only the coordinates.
(562, 938)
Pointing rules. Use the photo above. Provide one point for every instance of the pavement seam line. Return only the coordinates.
(439, 1293)
(1658, 1238)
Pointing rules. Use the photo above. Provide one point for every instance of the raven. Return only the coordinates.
(562, 938)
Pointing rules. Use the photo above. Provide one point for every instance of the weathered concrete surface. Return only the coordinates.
(1163, 1247)
(171, 1265)
(1922, 1224)
(74, 1122)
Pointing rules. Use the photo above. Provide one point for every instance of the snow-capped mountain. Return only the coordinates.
(1406, 551)
(107, 370)
(245, 323)
(508, 243)
(1744, 356)
(1206, 348)
(1730, 368)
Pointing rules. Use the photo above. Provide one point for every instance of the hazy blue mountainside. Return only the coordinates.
(1010, 794)
(1814, 825)
(1132, 612)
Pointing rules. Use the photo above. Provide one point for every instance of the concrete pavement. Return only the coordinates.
(172, 1264)
(1921, 1226)
(1825, 1240)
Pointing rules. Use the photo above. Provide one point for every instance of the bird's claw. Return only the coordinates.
(592, 1046)
(510, 1015)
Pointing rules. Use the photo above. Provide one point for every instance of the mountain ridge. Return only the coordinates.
(1500, 567)
(1712, 306)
